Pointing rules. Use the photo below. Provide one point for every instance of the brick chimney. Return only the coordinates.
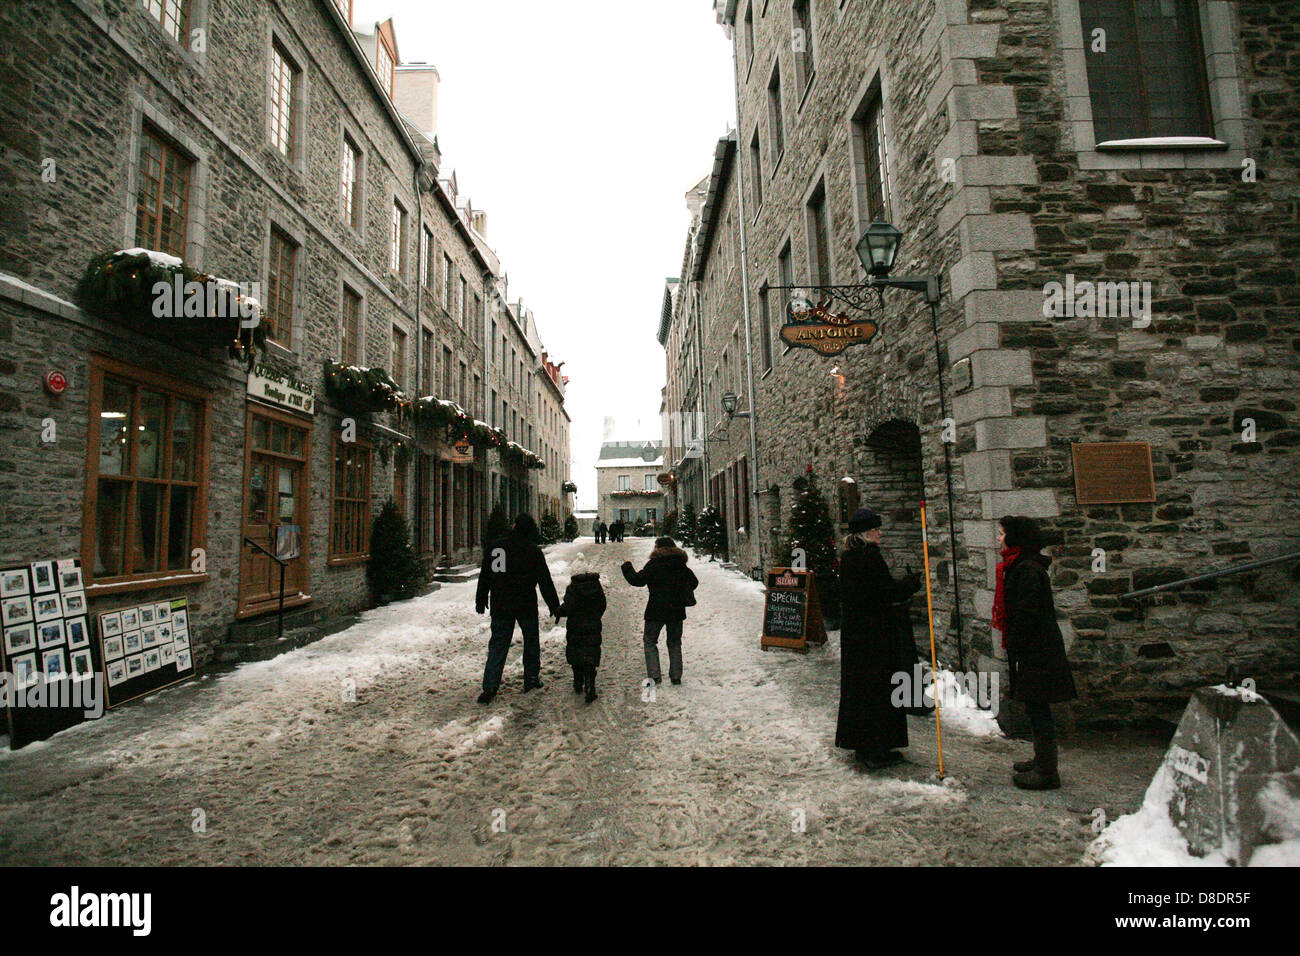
(415, 94)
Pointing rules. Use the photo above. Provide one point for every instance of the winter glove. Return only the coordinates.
(480, 608)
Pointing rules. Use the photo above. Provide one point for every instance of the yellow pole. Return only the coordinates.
(934, 666)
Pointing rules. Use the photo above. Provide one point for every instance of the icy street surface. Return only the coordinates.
(736, 766)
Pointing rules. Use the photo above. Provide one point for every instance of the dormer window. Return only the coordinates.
(384, 65)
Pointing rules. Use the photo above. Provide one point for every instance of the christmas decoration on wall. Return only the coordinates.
(358, 390)
(151, 291)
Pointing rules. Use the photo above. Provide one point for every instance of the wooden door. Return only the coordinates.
(276, 493)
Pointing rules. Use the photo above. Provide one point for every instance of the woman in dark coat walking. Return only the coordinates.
(868, 722)
(1024, 612)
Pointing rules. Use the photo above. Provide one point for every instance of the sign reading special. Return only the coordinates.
(792, 616)
(827, 333)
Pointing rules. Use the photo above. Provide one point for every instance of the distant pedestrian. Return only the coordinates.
(1023, 610)
(513, 570)
(618, 527)
(583, 605)
(869, 724)
(602, 532)
(672, 590)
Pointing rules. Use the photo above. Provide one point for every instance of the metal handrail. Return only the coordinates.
(1212, 575)
(279, 624)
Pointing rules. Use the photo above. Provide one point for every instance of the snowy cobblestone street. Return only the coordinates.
(286, 770)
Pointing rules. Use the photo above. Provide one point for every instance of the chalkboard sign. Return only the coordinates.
(792, 616)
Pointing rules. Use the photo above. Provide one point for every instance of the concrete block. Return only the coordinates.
(1033, 502)
(1002, 367)
(997, 171)
(970, 41)
(987, 470)
(982, 103)
(976, 270)
(1002, 232)
(980, 403)
(983, 335)
(1029, 431)
(1014, 305)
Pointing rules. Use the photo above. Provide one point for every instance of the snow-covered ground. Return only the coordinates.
(368, 747)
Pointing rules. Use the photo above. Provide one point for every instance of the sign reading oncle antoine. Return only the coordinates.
(825, 332)
(279, 388)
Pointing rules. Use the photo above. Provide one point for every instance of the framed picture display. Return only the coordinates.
(180, 620)
(149, 637)
(14, 583)
(113, 648)
(50, 633)
(43, 579)
(70, 577)
(74, 603)
(131, 619)
(116, 671)
(110, 625)
(152, 660)
(47, 607)
(25, 671)
(131, 642)
(168, 654)
(20, 638)
(181, 641)
(148, 614)
(80, 665)
(78, 632)
(134, 666)
(183, 662)
(163, 611)
(55, 664)
(16, 610)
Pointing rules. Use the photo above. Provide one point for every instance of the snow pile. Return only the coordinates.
(958, 709)
(1148, 837)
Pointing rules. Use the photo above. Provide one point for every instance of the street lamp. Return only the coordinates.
(878, 248)
(729, 406)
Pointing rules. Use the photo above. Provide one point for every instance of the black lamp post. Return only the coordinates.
(878, 251)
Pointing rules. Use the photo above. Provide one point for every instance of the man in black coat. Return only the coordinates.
(1040, 671)
(513, 570)
(869, 723)
(672, 590)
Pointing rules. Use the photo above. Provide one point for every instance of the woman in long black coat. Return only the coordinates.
(869, 723)
(1023, 610)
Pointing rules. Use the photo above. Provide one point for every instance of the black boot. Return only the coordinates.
(530, 684)
(486, 696)
(1024, 766)
(1044, 775)
(590, 684)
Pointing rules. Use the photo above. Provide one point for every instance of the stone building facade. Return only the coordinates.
(627, 483)
(258, 143)
(1020, 165)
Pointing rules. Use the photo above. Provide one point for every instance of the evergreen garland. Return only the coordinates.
(119, 286)
(362, 391)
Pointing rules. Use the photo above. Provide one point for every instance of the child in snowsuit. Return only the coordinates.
(583, 605)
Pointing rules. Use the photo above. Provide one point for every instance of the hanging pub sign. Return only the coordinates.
(792, 614)
(816, 327)
(277, 387)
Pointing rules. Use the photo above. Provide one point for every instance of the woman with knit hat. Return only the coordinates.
(868, 723)
(1024, 612)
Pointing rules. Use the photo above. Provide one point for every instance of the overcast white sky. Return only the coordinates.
(578, 126)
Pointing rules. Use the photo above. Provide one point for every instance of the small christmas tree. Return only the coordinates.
(811, 529)
(550, 529)
(670, 524)
(686, 525)
(393, 570)
(498, 525)
(570, 527)
(710, 532)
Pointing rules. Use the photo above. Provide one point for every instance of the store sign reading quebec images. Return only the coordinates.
(278, 388)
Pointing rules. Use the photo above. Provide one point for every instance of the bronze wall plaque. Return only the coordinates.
(1113, 472)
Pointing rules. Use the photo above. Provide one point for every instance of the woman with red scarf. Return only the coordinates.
(1023, 611)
